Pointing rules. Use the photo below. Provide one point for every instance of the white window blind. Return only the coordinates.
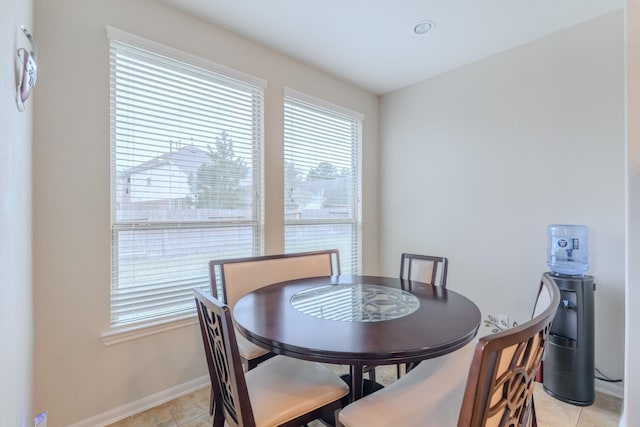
(187, 182)
(322, 145)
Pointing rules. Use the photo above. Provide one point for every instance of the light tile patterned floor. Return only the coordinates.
(191, 410)
(605, 411)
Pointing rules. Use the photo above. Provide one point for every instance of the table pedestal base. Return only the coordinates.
(369, 387)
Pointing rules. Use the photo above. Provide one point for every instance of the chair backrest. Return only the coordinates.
(223, 360)
(499, 390)
(543, 299)
(237, 277)
(424, 268)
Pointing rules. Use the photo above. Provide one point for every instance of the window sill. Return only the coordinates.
(119, 335)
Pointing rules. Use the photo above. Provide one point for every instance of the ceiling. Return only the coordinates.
(370, 43)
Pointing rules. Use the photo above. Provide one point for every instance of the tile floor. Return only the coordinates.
(191, 410)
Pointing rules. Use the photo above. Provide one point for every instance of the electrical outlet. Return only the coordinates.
(503, 321)
(41, 420)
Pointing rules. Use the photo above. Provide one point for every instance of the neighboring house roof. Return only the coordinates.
(187, 158)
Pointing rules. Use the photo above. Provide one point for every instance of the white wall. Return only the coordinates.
(16, 326)
(77, 377)
(492, 152)
(631, 412)
(477, 162)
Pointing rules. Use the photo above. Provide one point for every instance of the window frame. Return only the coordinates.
(118, 332)
(353, 265)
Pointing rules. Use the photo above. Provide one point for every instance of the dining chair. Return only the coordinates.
(233, 278)
(424, 268)
(280, 392)
(237, 277)
(486, 383)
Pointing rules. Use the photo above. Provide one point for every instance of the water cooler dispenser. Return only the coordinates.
(568, 361)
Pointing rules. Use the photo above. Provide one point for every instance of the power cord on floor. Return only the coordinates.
(603, 377)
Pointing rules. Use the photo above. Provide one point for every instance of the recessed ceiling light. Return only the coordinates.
(423, 27)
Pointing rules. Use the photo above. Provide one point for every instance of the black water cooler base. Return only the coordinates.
(568, 400)
(568, 361)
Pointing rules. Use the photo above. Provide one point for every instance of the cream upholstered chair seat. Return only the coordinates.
(279, 392)
(248, 350)
(301, 387)
(487, 383)
(428, 395)
(438, 384)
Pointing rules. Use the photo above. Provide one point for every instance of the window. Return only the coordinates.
(322, 178)
(186, 176)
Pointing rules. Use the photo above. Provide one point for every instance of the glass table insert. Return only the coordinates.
(359, 302)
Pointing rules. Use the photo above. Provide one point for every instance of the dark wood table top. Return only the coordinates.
(442, 322)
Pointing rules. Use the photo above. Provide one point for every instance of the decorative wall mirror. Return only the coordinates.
(27, 69)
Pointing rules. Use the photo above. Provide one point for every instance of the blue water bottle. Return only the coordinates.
(568, 249)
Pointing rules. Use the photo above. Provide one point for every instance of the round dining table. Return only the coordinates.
(359, 321)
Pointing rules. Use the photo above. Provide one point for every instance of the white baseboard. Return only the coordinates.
(124, 411)
(612, 389)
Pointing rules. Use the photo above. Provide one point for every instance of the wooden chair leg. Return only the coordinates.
(409, 366)
(211, 402)
(534, 419)
(217, 412)
(218, 418)
(372, 373)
